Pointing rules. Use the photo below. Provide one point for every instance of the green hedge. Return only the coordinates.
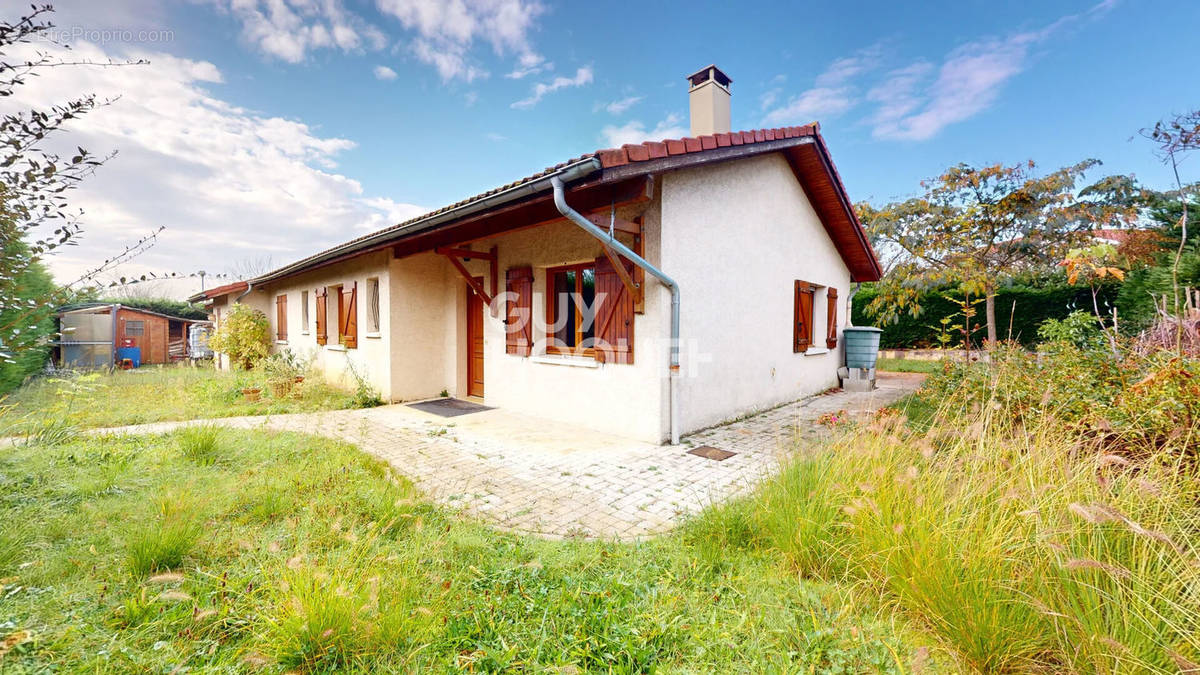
(1033, 306)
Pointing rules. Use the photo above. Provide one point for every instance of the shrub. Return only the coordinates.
(201, 444)
(1034, 305)
(1078, 328)
(244, 335)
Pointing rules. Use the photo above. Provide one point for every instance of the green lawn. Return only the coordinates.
(156, 394)
(248, 551)
(908, 365)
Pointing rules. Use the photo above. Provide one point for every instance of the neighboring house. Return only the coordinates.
(97, 334)
(552, 295)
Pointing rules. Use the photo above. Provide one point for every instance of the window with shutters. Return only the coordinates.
(518, 314)
(815, 317)
(373, 320)
(570, 321)
(304, 312)
(281, 318)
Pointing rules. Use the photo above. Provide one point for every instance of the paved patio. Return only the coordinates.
(529, 475)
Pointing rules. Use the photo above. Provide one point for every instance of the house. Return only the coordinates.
(648, 290)
(96, 335)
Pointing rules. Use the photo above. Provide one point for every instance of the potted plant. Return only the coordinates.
(284, 370)
(252, 393)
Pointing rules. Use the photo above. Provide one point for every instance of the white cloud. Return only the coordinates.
(228, 183)
(450, 60)
(620, 106)
(447, 29)
(810, 105)
(914, 105)
(384, 73)
(582, 76)
(832, 93)
(529, 64)
(613, 136)
(495, 137)
(289, 29)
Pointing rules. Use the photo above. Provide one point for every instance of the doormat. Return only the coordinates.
(709, 452)
(448, 407)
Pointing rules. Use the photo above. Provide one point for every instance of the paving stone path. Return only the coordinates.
(530, 476)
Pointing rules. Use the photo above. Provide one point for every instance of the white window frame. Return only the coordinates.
(304, 316)
(374, 318)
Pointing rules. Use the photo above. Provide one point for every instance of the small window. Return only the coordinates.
(373, 305)
(135, 328)
(570, 311)
(304, 312)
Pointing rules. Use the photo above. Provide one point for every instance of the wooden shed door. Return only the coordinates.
(474, 342)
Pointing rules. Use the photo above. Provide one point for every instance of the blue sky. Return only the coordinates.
(272, 128)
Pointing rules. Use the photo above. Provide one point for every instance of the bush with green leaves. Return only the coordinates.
(244, 335)
(1078, 328)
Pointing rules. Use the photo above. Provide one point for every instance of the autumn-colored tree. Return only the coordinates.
(976, 225)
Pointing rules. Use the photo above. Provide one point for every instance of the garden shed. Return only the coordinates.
(100, 335)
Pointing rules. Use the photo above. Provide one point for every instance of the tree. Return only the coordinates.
(35, 217)
(1176, 138)
(244, 335)
(975, 226)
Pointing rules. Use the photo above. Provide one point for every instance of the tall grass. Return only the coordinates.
(165, 541)
(201, 444)
(1018, 548)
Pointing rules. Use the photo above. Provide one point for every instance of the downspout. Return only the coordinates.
(249, 287)
(606, 238)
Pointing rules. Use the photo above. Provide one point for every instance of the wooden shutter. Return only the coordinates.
(322, 337)
(518, 322)
(348, 316)
(803, 315)
(614, 314)
(281, 317)
(831, 313)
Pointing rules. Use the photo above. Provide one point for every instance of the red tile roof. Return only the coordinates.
(847, 232)
(235, 287)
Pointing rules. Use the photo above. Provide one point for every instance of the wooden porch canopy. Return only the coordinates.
(600, 180)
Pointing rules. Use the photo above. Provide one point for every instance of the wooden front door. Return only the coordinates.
(474, 342)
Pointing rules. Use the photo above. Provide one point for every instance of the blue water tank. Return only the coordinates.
(132, 353)
(862, 346)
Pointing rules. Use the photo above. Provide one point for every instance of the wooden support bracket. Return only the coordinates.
(634, 288)
(453, 255)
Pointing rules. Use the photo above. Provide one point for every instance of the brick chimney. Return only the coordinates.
(708, 98)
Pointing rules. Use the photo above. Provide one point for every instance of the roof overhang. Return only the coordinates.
(605, 178)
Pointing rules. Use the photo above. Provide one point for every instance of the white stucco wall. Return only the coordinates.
(738, 235)
(622, 399)
(372, 356)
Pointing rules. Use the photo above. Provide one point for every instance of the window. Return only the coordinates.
(135, 328)
(304, 312)
(373, 305)
(812, 304)
(281, 318)
(570, 318)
